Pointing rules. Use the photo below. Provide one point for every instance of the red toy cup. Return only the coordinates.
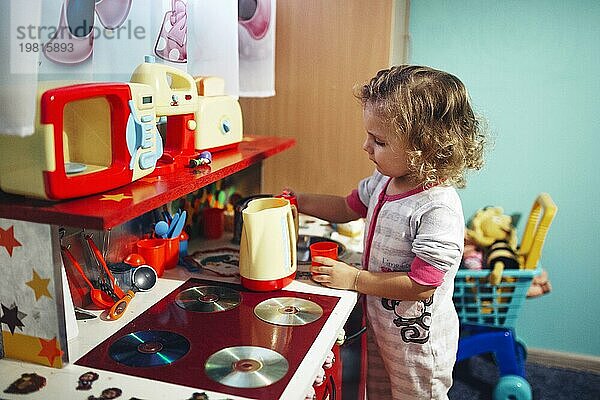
(323, 249)
(153, 251)
(171, 252)
(213, 222)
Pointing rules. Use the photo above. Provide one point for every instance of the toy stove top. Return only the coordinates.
(172, 341)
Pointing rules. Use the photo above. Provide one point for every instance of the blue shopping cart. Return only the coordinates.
(487, 315)
(488, 312)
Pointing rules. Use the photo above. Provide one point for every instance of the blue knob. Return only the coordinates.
(226, 126)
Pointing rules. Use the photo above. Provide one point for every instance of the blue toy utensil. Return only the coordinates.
(179, 225)
(172, 225)
(161, 228)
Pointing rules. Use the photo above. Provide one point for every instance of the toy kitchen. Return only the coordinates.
(104, 157)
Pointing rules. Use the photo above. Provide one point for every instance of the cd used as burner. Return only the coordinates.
(246, 366)
(290, 311)
(208, 299)
(149, 348)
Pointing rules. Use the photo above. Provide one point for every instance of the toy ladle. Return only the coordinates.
(144, 278)
(99, 297)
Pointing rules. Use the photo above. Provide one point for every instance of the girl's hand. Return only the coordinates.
(288, 191)
(334, 274)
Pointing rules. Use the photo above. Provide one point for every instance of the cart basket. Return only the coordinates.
(478, 302)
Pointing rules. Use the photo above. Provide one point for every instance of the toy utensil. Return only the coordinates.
(172, 225)
(161, 228)
(102, 281)
(144, 278)
(99, 298)
(179, 225)
(102, 262)
(80, 314)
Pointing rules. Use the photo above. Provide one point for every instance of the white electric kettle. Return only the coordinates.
(268, 244)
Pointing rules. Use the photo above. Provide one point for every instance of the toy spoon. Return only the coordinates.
(161, 228)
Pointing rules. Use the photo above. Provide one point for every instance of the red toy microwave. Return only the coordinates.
(89, 138)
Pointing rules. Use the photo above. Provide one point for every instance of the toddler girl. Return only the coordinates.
(422, 136)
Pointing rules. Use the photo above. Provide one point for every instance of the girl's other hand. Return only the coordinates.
(288, 192)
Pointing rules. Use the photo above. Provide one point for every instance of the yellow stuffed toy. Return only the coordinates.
(491, 242)
(493, 233)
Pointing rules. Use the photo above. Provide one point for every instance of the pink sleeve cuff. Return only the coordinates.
(425, 274)
(354, 202)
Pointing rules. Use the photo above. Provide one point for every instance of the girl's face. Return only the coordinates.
(388, 161)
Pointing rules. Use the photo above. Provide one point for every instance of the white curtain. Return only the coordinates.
(256, 31)
(18, 67)
(214, 47)
(197, 36)
(104, 40)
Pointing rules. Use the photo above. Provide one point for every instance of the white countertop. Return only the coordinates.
(62, 383)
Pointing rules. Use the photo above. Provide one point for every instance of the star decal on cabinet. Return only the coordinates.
(7, 239)
(12, 317)
(50, 350)
(39, 286)
(30, 316)
(115, 197)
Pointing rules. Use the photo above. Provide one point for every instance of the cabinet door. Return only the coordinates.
(323, 49)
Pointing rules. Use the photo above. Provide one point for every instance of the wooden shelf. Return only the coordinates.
(112, 208)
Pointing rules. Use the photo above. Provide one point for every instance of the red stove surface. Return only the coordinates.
(211, 332)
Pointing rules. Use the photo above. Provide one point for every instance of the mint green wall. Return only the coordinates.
(533, 70)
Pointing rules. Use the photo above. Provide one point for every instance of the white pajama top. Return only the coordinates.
(415, 342)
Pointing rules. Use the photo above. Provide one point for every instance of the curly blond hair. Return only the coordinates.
(431, 115)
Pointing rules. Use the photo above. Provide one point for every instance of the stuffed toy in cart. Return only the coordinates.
(491, 243)
(493, 233)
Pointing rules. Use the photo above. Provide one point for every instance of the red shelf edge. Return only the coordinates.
(86, 213)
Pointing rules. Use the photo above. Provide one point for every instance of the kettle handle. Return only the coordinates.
(296, 219)
(293, 231)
